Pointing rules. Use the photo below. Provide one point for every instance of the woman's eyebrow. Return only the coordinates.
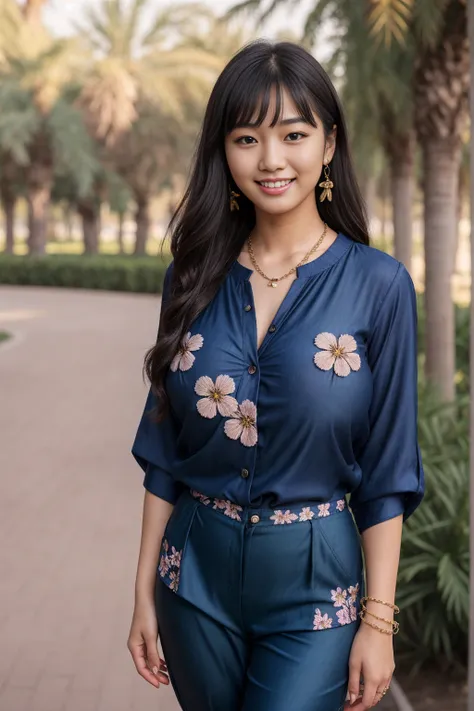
(283, 122)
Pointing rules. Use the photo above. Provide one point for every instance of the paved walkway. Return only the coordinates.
(70, 501)
(71, 498)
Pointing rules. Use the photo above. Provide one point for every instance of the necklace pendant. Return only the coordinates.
(272, 283)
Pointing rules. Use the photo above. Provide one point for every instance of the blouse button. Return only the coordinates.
(272, 328)
(248, 307)
(252, 369)
(244, 473)
(255, 518)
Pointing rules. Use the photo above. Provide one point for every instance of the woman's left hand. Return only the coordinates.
(372, 658)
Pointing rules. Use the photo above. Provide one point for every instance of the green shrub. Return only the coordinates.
(113, 273)
(433, 580)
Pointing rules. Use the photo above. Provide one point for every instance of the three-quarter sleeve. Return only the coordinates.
(392, 478)
(155, 444)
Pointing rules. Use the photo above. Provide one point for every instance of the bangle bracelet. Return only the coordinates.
(372, 614)
(394, 623)
(377, 627)
(374, 599)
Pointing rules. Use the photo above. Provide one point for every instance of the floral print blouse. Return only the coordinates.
(325, 407)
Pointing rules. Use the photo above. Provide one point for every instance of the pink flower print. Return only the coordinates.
(353, 592)
(321, 622)
(232, 510)
(341, 505)
(243, 423)
(202, 497)
(306, 514)
(184, 359)
(338, 596)
(174, 581)
(337, 353)
(215, 397)
(279, 517)
(164, 565)
(174, 557)
(343, 616)
(323, 509)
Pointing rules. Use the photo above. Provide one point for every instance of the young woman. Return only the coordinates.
(284, 378)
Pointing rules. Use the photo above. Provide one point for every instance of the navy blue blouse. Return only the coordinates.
(326, 406)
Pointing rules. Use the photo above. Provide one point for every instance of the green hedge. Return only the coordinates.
(112, 273)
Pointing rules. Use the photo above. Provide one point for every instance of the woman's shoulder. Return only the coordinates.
(379, 267)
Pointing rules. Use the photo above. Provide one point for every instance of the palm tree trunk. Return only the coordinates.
(470, 656)
(90, 228)
(120, 232)
(142, 218)
(401, 169)
(9, 200)
(441, 170)
(38, 199)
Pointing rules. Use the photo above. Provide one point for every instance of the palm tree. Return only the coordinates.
(143, 88)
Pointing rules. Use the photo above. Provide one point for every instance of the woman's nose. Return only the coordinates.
(272, 158)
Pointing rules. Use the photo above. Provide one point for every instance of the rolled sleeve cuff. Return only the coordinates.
(160, 483)
(373, 512)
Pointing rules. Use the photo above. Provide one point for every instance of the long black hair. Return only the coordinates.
(206, 237)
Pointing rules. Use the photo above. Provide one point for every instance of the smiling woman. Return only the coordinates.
(274, 404)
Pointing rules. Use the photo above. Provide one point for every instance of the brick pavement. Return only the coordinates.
(71, 497)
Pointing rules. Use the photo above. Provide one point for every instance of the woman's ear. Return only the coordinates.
(330, 145)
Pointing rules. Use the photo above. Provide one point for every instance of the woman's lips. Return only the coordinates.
(276, 191)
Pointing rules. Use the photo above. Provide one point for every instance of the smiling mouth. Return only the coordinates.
(275, 183)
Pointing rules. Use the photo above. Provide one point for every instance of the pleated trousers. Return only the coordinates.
(258, 608)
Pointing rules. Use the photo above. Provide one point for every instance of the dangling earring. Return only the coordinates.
(327, 185)
(234, 205)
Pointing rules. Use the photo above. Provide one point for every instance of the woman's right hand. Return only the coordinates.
(143, 644)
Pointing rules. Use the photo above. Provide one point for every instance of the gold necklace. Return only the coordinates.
(274, 282)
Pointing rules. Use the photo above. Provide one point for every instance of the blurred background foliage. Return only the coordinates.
(96, 134)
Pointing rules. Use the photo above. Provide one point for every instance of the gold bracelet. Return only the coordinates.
(363, 606)
(377, 627)
(374, 599)
(394, 623)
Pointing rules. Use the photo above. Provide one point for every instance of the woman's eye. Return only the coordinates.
(240, 140)
(296, 134)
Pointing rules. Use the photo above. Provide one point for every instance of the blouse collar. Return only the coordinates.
(334, 252)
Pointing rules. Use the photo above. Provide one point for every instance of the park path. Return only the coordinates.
(71, 394)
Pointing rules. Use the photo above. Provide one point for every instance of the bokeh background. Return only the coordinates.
(100, 105)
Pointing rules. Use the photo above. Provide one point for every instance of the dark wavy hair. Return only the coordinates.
(206, 237)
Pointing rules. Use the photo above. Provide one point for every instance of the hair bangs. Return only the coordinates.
(251, 104)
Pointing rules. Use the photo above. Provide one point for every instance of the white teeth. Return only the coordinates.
(277, 184)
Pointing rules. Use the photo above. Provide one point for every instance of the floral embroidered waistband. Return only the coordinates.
(287, 514)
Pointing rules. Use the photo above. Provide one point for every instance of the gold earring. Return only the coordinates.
(234, 205)
(327, 185)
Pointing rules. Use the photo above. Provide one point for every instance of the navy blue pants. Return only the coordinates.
(257, 608)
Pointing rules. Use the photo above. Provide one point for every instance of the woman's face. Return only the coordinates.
(293, 151)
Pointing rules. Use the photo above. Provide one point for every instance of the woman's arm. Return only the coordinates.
(143, 637)
(156, 513)
(381, 544)
(372, 651)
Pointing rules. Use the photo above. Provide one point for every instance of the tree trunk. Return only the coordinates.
(120, 232)
(9, 210)
(9, 200)
(90, 227)
(369, 195)
(142, 218)
(38, 199)
(402, 200)
(441, 170)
